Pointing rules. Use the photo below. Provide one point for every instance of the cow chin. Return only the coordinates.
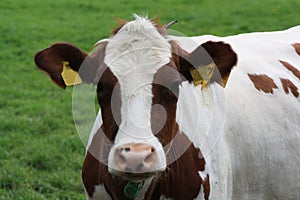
(135, 176)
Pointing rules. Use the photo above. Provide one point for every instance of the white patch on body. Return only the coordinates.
(134, 55)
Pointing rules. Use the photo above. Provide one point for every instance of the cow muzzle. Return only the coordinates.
(135, 160)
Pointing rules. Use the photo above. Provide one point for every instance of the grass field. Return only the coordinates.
(40, 152)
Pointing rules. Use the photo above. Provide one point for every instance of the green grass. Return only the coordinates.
(40, 152)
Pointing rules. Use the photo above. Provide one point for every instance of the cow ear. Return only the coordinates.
(62, 62)
(209, 62)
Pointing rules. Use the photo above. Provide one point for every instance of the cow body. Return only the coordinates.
(234, 142)
(261, 131)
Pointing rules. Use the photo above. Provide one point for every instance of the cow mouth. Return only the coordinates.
(129, 176)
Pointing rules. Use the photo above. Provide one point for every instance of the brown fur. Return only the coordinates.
(51, 60)
(291, 68)
(287, 84)
(297, 48)
(263, 83)
(218, 52)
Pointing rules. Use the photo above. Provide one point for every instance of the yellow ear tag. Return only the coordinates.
(70, 76)
(202, 74)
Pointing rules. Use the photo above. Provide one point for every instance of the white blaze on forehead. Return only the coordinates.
(134, 55)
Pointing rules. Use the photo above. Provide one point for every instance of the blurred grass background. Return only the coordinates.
(40, 152)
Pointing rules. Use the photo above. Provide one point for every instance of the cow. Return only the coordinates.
(201, 117)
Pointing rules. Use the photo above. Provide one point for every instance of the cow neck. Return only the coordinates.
(181, 180)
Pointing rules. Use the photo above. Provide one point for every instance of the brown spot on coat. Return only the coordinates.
(287, 84)
(263, 82)
(297, 48)
(290, 67)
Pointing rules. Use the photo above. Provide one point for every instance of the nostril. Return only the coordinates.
(152, 149)
(127, 149)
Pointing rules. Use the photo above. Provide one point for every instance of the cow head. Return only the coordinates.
(138, 73)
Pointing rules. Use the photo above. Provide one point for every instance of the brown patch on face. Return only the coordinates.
(287, 84)
(106, 84)
(291, 68)
(263, 82)
(165, 90)
(109, 99)
(297, 48)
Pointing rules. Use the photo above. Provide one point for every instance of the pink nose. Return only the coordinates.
(135, 158)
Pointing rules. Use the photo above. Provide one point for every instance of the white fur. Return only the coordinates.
(134, 55)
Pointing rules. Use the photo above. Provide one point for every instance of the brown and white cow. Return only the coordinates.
(153, 121)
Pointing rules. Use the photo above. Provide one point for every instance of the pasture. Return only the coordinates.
(40, 152)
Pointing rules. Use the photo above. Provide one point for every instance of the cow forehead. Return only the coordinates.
(137, 50)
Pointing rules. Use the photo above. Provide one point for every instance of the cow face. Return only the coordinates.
(138, 72)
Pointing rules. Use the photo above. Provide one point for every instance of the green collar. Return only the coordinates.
(132, 189)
